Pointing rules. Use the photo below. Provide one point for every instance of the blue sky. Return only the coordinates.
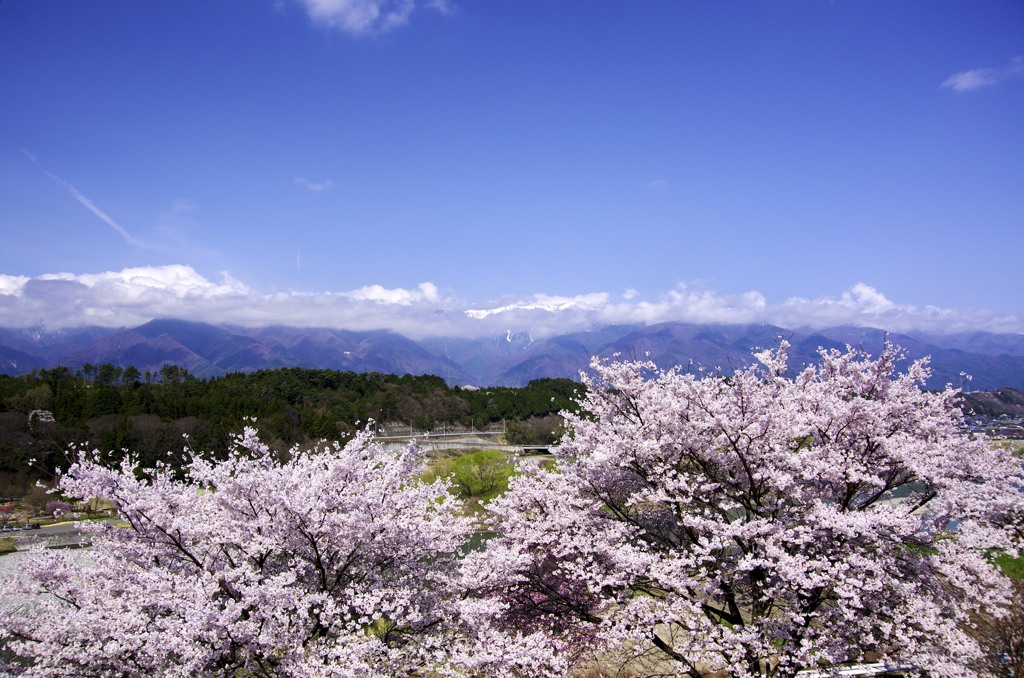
(447, 166)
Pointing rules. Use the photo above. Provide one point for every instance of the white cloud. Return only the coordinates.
(314, 185)
(867, 299)
(12, 285)
(175, 281)
(973, 79)
(965, 81)
(367, 16)
(136, 295)
(426, 292)
(861, 305)
(687, 304)
(442, 6)
(659, 184)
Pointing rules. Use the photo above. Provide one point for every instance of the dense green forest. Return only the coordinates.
(115, 409)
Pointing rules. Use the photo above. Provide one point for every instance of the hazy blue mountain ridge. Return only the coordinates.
(511, 359)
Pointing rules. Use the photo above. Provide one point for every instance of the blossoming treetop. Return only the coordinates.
(762, 523)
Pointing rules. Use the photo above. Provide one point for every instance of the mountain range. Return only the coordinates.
(512, 359)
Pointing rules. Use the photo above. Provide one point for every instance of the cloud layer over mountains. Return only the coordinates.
(134, 296)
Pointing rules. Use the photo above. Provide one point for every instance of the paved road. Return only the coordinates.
(62, 534)
(59, 528)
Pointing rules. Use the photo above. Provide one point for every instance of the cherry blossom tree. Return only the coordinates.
(755, 524)
(58, 509)
(338, 562)
(760, 523)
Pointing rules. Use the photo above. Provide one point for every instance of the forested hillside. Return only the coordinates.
(115, 409)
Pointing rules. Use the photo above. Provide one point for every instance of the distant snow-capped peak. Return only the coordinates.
(544, 302)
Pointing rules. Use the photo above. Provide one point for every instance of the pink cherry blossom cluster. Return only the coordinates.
(337, 562)
(755, 524)
(761, 524)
